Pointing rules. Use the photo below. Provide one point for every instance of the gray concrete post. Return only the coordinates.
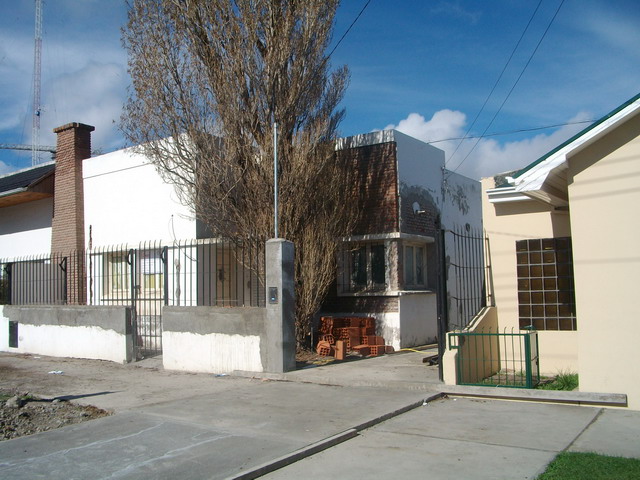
(281, 304)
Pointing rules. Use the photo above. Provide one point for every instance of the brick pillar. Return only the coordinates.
(67, 232)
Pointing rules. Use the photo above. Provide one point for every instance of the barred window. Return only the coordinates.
(365, 267)
(546, 294)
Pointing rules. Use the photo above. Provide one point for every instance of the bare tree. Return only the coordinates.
(213, 76)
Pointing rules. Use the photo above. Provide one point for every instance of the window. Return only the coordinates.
(414, 266)
(116, 271)
(365, 267)
(546, 298)
(151, 271)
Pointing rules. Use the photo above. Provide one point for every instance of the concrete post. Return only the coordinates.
(280, 329)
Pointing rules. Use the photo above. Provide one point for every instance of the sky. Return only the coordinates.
(433, 69)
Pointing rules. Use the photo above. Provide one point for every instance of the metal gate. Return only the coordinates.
(148, 267)
(463, 280)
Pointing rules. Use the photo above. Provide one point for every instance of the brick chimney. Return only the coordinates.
(67, 232)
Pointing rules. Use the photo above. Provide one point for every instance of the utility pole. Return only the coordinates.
(37, 62)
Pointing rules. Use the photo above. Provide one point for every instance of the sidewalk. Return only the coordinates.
(170, 424)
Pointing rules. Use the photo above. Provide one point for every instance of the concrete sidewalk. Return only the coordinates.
(201, 426)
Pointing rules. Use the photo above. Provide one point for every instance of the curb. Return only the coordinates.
(325, 443)
(545, 396)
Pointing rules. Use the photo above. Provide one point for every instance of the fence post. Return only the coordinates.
(280, 304)
(443, 314)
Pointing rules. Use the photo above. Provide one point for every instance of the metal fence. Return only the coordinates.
(498, 359)
(211, 272)
(467, 271)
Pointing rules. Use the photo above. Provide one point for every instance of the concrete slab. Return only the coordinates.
(401, 370)
(450, 438)
(614, 432)
(301, 412)
(205, 436)
(383, 454)
(525, 425)
(134, 446)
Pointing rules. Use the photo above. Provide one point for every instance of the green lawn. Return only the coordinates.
(591, 466)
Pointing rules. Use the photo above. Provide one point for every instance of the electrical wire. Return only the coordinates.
(511, 132)
(513, 87)
(465, 136)
(348, 29)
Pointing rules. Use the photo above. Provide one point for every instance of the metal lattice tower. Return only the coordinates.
(37, 61)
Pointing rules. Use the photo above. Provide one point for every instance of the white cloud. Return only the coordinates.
(91, 95)
(490, 156)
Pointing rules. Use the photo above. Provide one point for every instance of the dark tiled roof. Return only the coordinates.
(25, 178)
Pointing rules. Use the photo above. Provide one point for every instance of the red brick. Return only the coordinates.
(328, 338)
(365, 331)
(340, 350)
(363, 350)
(324, 349)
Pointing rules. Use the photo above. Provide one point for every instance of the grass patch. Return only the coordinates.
(591, 466)
(564, 381)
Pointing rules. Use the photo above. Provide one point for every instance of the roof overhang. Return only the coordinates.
(30, 191)
(21, 195)
(546, 178)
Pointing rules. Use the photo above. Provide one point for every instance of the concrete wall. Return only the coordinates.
(102, 333)
(25, 229)
(214, 340)
(222, 340)
(485, 351)
(126, 201)
(505, 223)
(604, 195)
(417, 314)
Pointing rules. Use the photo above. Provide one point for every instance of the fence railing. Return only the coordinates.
(498, 359)
(211, 272)
(467, 275)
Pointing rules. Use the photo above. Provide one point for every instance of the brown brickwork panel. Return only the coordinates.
(67, 229)
(423, 223)
(356, 304)
(376, 187)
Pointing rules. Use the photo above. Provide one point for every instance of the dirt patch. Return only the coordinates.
(24, 414)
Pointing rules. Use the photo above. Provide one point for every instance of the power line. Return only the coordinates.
(349, 29)
(514, 85)
(496, 83)
(510, 132)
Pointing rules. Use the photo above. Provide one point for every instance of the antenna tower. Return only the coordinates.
(37, 61)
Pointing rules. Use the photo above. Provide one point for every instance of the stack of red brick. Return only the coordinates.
(339, 335)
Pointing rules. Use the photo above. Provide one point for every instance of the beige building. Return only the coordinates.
(563, 236)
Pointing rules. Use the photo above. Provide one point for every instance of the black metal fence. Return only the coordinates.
(467, 275)
(211, 272)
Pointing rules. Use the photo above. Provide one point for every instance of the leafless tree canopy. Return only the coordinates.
(213, 76)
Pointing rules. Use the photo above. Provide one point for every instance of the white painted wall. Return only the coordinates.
(211, 353)
(420, 164)
(25, 229)
(417, 314)
(126, 201)
(462, 202)
(66, 341)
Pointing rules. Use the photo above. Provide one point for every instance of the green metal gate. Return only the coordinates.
(496, 359)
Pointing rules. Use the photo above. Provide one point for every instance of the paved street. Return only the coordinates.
(202, 426)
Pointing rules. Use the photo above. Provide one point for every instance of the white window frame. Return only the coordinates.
(413, 266)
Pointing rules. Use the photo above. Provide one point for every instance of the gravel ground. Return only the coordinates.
(24, 414)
